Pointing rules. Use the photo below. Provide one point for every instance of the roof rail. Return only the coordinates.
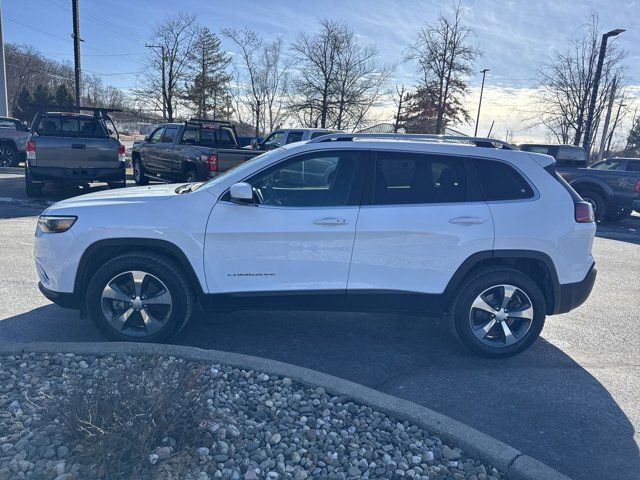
(72, 108)
(222, 123)
(477, 141)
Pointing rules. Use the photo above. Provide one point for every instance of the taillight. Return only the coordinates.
(31, 150)
(584, 212)
(212, 161)
(121, 151)
(637, 187)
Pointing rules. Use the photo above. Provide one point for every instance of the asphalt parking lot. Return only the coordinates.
(571, 401)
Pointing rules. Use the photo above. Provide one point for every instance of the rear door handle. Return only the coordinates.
(331, 221)
(467, 221)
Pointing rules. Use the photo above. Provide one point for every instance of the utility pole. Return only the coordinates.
(164, 79)
(4, 107)
(484, 73)
(76, 49)
(607, 118)
(594, 94)
(257, 118)
(614, 126)
(493, 122)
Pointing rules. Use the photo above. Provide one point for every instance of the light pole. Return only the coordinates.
(164, 86)
(484, 73)
(76, 52)
(596, 83)
(4, 108)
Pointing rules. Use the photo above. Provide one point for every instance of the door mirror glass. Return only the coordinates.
(241, 192)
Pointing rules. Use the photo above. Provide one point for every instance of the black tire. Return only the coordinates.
(617, 215)
(138, 173)
(164, 269)
(9, 156)
(598, 203)
(122, 183)
(34, 189)
(191, 176)
(482, 280)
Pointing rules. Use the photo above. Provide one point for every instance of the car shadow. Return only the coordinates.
(541, 402)
(627, 230)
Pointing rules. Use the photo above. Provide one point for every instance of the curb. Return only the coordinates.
(474, 443)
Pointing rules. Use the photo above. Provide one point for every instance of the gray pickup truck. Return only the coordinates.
(74, 147)
(13, 141)
(612, 187)
(190, 151)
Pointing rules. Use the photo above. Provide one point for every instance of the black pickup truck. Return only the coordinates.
(611, 186)
(191, 151)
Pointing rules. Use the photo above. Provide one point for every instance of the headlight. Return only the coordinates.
(55, 224)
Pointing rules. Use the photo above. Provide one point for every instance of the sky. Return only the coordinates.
(516, 37)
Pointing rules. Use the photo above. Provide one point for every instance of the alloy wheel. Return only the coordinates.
(7, 157)
(136, 303)
(501, 315)
(137, 173)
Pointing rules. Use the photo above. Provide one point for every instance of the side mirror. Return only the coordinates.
(147, 138)
(241, 192)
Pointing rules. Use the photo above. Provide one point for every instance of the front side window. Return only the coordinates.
(155, 136)
(274, 140)
(169, 134)
(318, 179)
(409, 178)
(500, 181)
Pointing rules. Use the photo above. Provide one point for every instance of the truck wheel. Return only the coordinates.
(140, 297)
(191, 176)
(618, 215)
(34, 189)
(8, 156)
(122, 183)
(138, 173)
(498, 312)
(597, 203)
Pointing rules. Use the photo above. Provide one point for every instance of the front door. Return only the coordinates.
(296, 236)
(150, 150)
(424, 217)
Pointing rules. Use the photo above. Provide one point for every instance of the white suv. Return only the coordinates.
(470, 228)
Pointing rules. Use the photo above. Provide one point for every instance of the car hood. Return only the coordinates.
(120, 195)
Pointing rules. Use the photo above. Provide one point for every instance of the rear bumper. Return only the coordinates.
(572, 295)
(636, 205)
(64, 300)
(63, 174)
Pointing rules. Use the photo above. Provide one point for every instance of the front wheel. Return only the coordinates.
(498, 313)
(141, 297)
(138, 172)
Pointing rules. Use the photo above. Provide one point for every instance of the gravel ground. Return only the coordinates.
(251, 425)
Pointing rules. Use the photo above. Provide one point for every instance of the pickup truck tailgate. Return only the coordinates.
(231, 157)
(76, 152)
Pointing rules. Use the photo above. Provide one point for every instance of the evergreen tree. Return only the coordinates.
(24, 106)
(42, 96)
(633, 139)
(63, 96)
(208, 89)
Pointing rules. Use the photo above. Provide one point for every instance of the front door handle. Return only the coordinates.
(467, 221)
(331, 221)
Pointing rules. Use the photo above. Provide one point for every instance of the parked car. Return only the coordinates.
(492, 238)
(612, 187)
(74, 147)
(13, 141)
(189, 151)
(285, 136)
(570, 156)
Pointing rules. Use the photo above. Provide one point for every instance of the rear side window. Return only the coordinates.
(608, 165)
(500, 181)
(294, 137)
(208, 137)
(409, 178)
(633, 166)
(319, 134)
(71, 126)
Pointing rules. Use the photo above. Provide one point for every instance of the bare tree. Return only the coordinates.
(566, 83)
(208, 84)
(338, 80)
(176, 34)
(399, 100)
(445, 56)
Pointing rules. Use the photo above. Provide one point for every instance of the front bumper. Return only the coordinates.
(64, 300)
(63, 174)
(572, 295)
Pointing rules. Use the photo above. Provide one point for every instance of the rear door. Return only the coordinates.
(423, 217)
(74, 141)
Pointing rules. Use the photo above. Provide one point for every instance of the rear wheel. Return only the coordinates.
(139, 297)
(597, 203)
(191, 176)
(138, 172)
(122, 183)
(34, 189)
(498, 313)
(8, 156)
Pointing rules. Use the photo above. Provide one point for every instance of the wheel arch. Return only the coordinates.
(535, 264)
(591, 186)
(102, 250)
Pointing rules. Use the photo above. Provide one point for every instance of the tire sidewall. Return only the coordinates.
(174, 281)
(600, 209)
(138, 173)
(470, 290)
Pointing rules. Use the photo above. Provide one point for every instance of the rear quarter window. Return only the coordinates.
(500, 181)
